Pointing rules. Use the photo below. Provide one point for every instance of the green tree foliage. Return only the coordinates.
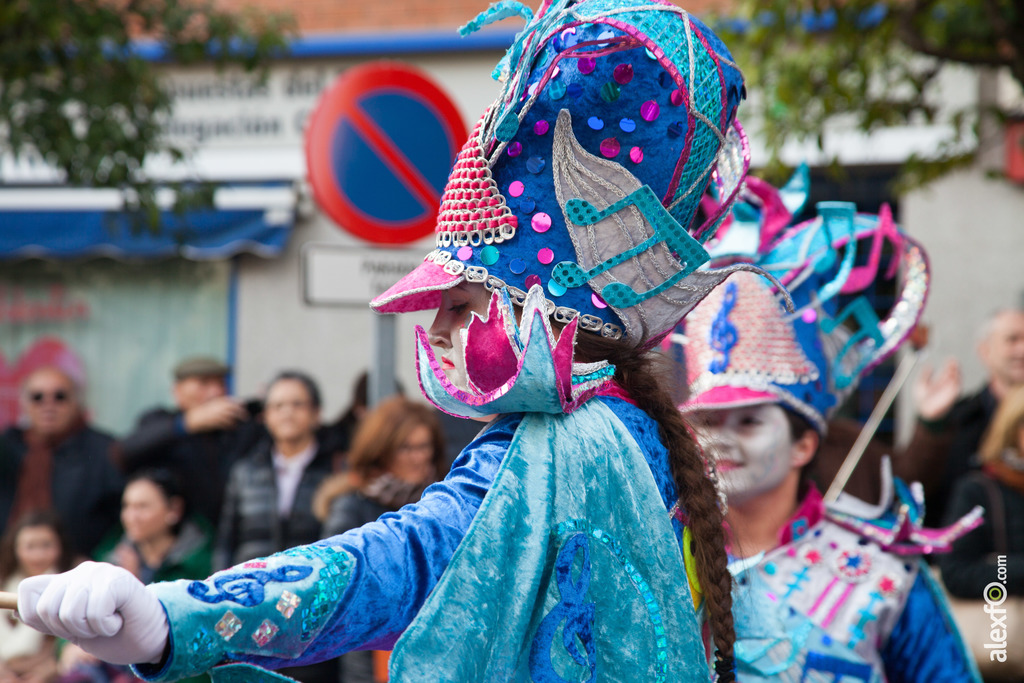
(74, 89)
(873, 62)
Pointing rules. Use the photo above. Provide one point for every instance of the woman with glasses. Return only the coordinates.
(396, 453)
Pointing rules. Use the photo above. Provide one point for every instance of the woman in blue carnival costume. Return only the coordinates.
(555, 549)
(823, 591)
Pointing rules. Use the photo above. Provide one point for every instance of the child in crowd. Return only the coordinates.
(33, 546)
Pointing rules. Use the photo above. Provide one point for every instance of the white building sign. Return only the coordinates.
(336, 275)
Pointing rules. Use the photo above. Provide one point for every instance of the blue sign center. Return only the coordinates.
(416, 144)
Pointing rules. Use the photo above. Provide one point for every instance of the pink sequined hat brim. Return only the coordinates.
(718, 398)
(418, 291)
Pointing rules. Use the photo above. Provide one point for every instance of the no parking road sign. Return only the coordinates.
(379, 147)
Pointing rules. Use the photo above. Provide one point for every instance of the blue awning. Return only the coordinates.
(59, 223)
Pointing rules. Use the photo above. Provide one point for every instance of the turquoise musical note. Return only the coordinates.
(867, 322)
(685, 248)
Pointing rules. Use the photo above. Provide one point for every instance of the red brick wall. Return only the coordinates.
(334, 16)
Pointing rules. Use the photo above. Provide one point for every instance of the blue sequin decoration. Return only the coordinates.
(246, 588)
(723, 334)
(577, 526)
(331, 584)
(577, 615)
(566, 39)
(202, 642)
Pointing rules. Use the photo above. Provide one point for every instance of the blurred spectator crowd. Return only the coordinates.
(213, 481)
(206, 483)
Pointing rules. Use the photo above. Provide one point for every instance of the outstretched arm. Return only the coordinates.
(357, 590)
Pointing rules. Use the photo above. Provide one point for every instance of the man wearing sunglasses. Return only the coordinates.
(52, 460)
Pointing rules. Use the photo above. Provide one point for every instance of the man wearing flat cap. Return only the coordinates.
(200, 439)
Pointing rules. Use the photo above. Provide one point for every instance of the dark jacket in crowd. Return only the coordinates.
(202, 460)
(350, 511)
(250, 526)
(85, 485)
(965, 426)
(972, 564)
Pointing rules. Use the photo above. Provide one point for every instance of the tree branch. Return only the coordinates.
(997, 21)
(948, 53)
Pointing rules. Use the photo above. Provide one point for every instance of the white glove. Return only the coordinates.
(101, 608)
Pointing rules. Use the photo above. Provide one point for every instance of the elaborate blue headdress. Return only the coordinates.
(585, 175)
(742, 347)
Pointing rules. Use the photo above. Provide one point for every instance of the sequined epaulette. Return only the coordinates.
(900, 527)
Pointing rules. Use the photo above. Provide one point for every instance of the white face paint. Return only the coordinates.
(457, 304)
(752, 448)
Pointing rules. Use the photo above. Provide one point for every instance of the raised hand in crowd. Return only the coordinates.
(936, 390)
(222, 412)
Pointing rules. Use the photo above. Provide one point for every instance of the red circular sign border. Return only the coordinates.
(349, 86)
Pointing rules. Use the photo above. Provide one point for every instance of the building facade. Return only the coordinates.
(257, 300)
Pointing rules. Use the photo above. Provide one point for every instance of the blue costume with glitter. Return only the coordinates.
(845, 596)
(363, 589)
(553, 550)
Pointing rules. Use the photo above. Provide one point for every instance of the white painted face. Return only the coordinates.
(752, 448)
(457, 304)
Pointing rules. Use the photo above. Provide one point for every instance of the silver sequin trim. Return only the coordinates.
(561, 314)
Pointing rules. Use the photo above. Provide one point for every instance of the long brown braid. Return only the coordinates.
(638, 374)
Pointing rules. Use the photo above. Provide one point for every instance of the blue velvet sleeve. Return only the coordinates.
(925, 646)
(401, 556)
(381, 574)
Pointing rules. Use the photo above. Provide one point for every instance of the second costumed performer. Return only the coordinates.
(833, 591)
(565, 247)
